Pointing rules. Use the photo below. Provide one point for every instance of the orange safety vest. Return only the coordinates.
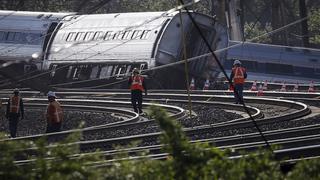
(137, 83)
(14, 104)
(238, 73)
(54, 112)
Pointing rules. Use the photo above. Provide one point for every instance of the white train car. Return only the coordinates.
(106, 47)
(23, 34)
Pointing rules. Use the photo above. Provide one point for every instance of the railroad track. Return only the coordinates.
(292, 124)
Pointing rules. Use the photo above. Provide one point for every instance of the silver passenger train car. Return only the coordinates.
(276, 63)
(104, 48)
(24, 33)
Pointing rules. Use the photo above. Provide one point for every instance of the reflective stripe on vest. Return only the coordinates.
(14, 104)
(238, 75)
(137, 83)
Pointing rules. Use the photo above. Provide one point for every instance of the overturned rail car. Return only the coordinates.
(102, 49)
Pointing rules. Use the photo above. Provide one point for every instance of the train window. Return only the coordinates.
(126, 35)
(145, 34)
(317, 71)
(89, 36)
(11, 36)
(119, 71)
(142, 66)
(71, 36)
(136, 34)
(17, 37)
(128, 70)
(106, 72)
(80, 36)
(94, 72)
(108, 35)
(120, 35)
(3, 35)
(98, 36)
(117, 35)
(76, 73)
(53, 70)
(69, 72)
(36, 38)
(123, 70)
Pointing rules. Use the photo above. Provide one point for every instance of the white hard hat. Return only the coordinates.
(236, 62)
(51, 94)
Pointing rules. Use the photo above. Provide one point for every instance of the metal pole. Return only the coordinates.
(186, 69)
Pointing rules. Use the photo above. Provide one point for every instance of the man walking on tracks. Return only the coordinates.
(238, 76)
(137, 86)
(54, 114)
(15, 110)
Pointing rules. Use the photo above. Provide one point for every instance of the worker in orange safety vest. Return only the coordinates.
(15, 110)
(54, 114)
(137, 86)
(238, 76)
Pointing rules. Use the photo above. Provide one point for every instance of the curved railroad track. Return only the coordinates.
(290, 121)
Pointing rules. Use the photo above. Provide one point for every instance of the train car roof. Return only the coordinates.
(26, 20)
(32, 15)
(267, 53)
(115, 19)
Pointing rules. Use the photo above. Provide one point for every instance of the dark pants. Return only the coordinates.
(239, 89)
(136, 96)
(53, 127)
(13, 124)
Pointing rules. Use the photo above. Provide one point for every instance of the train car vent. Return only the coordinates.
(49, 16)
(313, 60)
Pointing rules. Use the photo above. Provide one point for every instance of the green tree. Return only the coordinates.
(314, 26)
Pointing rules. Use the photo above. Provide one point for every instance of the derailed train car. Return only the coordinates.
(90, 50)
(275, 63)
(105, 48)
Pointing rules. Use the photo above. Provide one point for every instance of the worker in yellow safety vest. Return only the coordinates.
(15, 110)
(54, 114)
(137, 86)
(238, 76)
